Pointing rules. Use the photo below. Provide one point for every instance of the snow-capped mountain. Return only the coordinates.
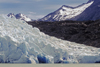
(11, 15)
(91, 13)
(19, 16)
(67, 12)
(20, 43)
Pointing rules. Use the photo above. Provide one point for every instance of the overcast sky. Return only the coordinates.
(35, 9)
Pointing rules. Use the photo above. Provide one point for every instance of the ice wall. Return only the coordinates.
(20, 43)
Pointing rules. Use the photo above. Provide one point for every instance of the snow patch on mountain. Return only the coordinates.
(19, 16)
(20, 43)
(66, 12)
(91, 13)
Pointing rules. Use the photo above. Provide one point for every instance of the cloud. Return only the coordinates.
(19, 1)
(52, 6)
(34, 17)
(9, 1)
(32, 12)
(40, 8)
(38, 0)
(74, 5)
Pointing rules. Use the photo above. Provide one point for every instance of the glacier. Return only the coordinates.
(21, 43)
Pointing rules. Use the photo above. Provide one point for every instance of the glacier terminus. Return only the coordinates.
(20, 43)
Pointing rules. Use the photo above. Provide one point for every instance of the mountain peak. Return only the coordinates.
(11, 15)
(93, 0)
(91, 13)
(66, 12)
(19, 16)
(90, 1)
(66, 6)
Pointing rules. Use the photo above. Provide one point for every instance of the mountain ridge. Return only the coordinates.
(19, 16)
(67, 12)
(91, 13)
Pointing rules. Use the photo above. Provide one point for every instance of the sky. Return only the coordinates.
(35, 9)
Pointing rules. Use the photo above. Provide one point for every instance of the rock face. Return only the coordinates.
(19, 16)
(87, 32)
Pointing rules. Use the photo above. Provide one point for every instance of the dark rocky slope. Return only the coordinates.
(84, 32)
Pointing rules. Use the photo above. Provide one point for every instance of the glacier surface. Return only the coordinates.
(20, 43)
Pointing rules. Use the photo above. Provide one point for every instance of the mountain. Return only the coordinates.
(20, 43)
(67, 12)
(19, 16)
(91, 13)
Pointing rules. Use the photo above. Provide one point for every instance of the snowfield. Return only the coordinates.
(20, 43)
